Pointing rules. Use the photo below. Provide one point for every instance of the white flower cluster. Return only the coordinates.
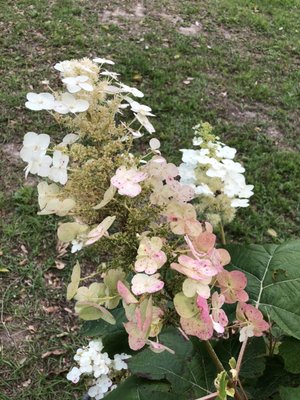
(211, 171)
(91, 361)
(34, 153)
(80, 77)
(84, 88)
(46, 101)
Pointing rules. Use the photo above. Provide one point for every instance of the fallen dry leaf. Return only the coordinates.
(56, 352)
(68, 310)
(26, 383)
(61, 248)
(31, 328)
(59, 264)
(62, 334)
(272, 232)
(51, 309)
(24, 250)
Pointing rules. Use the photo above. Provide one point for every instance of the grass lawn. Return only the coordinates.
(233, 63)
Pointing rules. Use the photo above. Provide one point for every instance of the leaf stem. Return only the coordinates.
(242, 390)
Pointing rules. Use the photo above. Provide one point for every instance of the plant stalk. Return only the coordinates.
(240, 356)
(223, 238)
(221, 368)
(210, 396)
(214, 356)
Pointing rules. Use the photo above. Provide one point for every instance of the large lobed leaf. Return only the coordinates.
(115, 338)
(189, 371)
(289, 393)
(273, 273)
(134, 388)
(275, 377)
(289, 350)
(254, 360)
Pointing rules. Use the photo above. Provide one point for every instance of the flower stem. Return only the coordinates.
(223, 238)
(240, 357)
(214, 356)
(210, 396)
(221, 368)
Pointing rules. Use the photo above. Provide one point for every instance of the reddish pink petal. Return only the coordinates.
(125, 293)
(203, 308)
(197, 327)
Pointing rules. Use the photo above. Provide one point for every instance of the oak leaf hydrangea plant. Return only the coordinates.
(140, 214)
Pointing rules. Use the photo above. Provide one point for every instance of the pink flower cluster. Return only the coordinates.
(200, 312)
(206, 286)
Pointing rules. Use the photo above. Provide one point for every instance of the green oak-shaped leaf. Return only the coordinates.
(102, 328)
(115, 338)
(289, 393)
(273, 273)
(274, 377)
(189, 371)
(134, 388)
(290, 352)
(254, 360)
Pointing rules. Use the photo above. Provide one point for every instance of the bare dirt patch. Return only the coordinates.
(192, 30)
(132, 16)
(118, 14)
(12, 152)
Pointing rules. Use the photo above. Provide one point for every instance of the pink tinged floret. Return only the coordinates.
(218, 316)
(183, 219)
(136, 338)
(95, 234)
(191, 287)
(224, 256)
(138, 327)
(197, 327)
(232, 286)
(170, 172)
(143, 283)
(159, 347)
(203, 308)
(150, 256)
(125, 293)
(146, 264)
(194, 269)
(202, 247)
(204, 242)
(251, 321)
(101, 230)
(127, 181)
(216, 260)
